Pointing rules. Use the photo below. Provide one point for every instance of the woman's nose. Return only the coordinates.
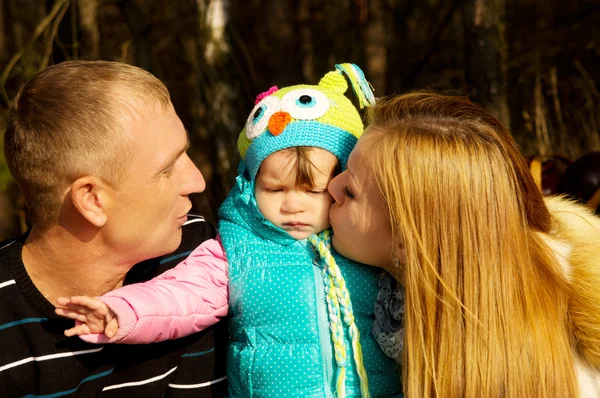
(335, 188)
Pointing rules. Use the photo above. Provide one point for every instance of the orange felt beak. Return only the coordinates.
(278, 121)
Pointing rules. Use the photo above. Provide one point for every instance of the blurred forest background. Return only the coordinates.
(534, 63)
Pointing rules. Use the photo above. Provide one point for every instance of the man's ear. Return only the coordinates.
(89, 196)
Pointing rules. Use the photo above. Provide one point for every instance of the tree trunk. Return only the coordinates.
(139, 28)
(375, 45)
(485, 54)
(307, 44)
(87, 11)
(216, 81)
(3, 33)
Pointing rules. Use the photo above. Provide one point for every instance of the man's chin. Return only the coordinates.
(172, 242)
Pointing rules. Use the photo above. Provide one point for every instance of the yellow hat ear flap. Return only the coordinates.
(334, 81)
(243, 144)
(361, 87)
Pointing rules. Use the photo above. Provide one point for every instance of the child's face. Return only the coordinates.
(300, 212)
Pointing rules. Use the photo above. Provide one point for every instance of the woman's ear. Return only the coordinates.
(399, 258)
(398, 263)
(89, 196)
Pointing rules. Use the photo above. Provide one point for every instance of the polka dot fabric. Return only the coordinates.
(280, 343)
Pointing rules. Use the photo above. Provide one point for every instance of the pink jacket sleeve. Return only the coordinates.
(181, 301)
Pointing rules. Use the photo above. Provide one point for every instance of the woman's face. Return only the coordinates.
(359, 216)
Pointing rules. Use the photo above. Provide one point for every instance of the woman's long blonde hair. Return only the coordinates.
(486, 300)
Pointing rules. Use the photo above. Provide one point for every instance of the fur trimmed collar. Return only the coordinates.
(575, 240)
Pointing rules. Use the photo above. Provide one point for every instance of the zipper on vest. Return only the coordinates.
(324, 336)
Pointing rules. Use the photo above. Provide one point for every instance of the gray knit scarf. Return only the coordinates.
(388, 328)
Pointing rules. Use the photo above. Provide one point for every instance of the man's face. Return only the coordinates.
(150, 205)
(300, 212)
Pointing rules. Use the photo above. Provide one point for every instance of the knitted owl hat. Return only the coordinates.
(306, 115)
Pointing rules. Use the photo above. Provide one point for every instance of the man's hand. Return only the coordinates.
(94, 316)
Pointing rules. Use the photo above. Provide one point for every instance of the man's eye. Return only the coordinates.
(167, 172)
(347, 193)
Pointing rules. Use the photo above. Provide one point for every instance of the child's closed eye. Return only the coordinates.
(273, 190)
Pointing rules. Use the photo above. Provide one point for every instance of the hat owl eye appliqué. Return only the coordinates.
(305, 104)
(259, 117)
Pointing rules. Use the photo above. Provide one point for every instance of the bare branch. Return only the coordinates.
(41, 28)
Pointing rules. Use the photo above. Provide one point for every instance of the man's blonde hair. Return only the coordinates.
(70, 121)
(486, 301)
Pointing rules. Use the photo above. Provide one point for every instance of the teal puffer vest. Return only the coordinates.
(280, 340)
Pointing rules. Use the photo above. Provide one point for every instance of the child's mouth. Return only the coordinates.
(295, 225)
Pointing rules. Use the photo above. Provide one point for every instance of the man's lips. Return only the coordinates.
(183, 217)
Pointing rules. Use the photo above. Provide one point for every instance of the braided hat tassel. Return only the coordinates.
(338, 299)
(337, 334)
(361, 87)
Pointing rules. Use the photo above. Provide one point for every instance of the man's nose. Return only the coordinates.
(193, 180)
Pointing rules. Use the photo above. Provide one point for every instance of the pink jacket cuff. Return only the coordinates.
(126, 317)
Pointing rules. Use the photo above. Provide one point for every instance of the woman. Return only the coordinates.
(502, 289)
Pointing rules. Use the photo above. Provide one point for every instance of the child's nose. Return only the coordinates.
(292, 203)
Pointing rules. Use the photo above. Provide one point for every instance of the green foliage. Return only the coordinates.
(5, 177)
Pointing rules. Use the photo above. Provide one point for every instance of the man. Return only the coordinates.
(100, 155)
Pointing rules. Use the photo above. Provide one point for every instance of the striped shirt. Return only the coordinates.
(37, 360)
